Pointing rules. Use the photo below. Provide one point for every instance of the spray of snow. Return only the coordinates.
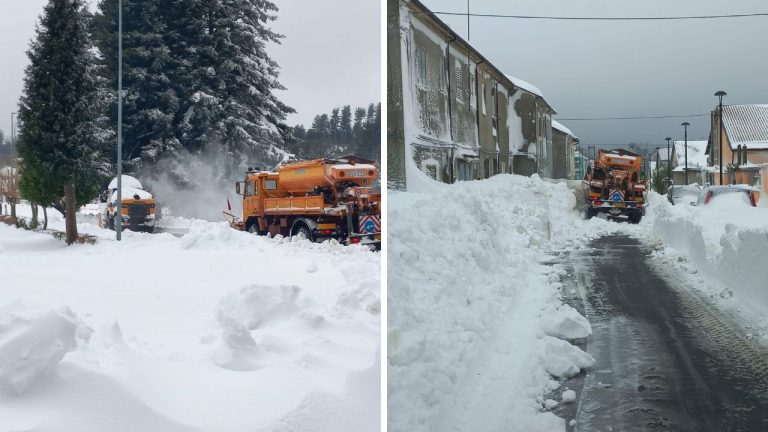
(195, 185)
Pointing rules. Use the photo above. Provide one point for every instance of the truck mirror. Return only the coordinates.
(237, 188)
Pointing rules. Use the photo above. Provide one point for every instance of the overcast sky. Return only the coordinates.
(621, 68)
(330, 56)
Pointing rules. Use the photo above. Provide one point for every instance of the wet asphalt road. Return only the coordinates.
(666, 360)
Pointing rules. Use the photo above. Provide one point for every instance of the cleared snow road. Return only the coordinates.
(666, 359)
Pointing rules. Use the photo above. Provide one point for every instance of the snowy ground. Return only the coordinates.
(477, 329)
(218, 330)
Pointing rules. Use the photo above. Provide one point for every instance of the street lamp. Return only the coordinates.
(720, 95)
(669, 163)
(119, 203)
(685, 125)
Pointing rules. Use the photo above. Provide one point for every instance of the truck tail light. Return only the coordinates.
(639, 205)
(598, 203)
(370, 173)
(354, 240)
(708, 197)
(327, 232)
(752, 200)
(341, 174)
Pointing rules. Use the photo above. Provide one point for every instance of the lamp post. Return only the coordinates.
(685, 125)
(720, 95)
(669, 163)
(119, 203)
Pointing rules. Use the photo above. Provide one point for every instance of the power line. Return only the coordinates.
(667, 18)
(634, 118)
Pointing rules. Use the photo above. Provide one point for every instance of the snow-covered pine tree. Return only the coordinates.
(357, 130)
(228, 79)
(372, 133)
(150, 102)
(62, 131)
(345, 128)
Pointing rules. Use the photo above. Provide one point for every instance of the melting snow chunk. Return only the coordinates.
(566, 323)
(564, 360)
(569, 396)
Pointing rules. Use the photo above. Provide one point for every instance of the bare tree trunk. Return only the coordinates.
(71, 221)
(13, 211)
(33, 223)
(45, 218)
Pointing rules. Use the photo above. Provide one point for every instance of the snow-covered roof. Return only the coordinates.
(559, 126)
(661, 153)
(127, 181)
(697, 153)
(129, 192)
(525, 85)
(747, 125)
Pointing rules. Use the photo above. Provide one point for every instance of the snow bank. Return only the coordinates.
(32, 342)
(724, 243)
(468, 283)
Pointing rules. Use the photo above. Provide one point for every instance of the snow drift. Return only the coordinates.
(218, 330)
(32, 343)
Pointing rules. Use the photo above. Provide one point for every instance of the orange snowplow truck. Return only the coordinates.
(319, 199)
(613, 186)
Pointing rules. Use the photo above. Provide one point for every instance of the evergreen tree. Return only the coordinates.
(150, 102)
(360, 137)
(357, 130)
(345, 127)
(62, 131)
(229, 79)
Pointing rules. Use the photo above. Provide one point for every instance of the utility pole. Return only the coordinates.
(685, 125)
(720, 95)
(467, 20)
(119, 203)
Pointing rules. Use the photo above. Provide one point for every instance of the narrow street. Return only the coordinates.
(665, 358)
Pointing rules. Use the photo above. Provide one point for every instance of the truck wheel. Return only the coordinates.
(589, 212)
(301, 230)
(635, 219)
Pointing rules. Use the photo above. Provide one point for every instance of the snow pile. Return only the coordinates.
(724, 243)
(469, 290)
(218, 330)
(131, 193)
(32, 343)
